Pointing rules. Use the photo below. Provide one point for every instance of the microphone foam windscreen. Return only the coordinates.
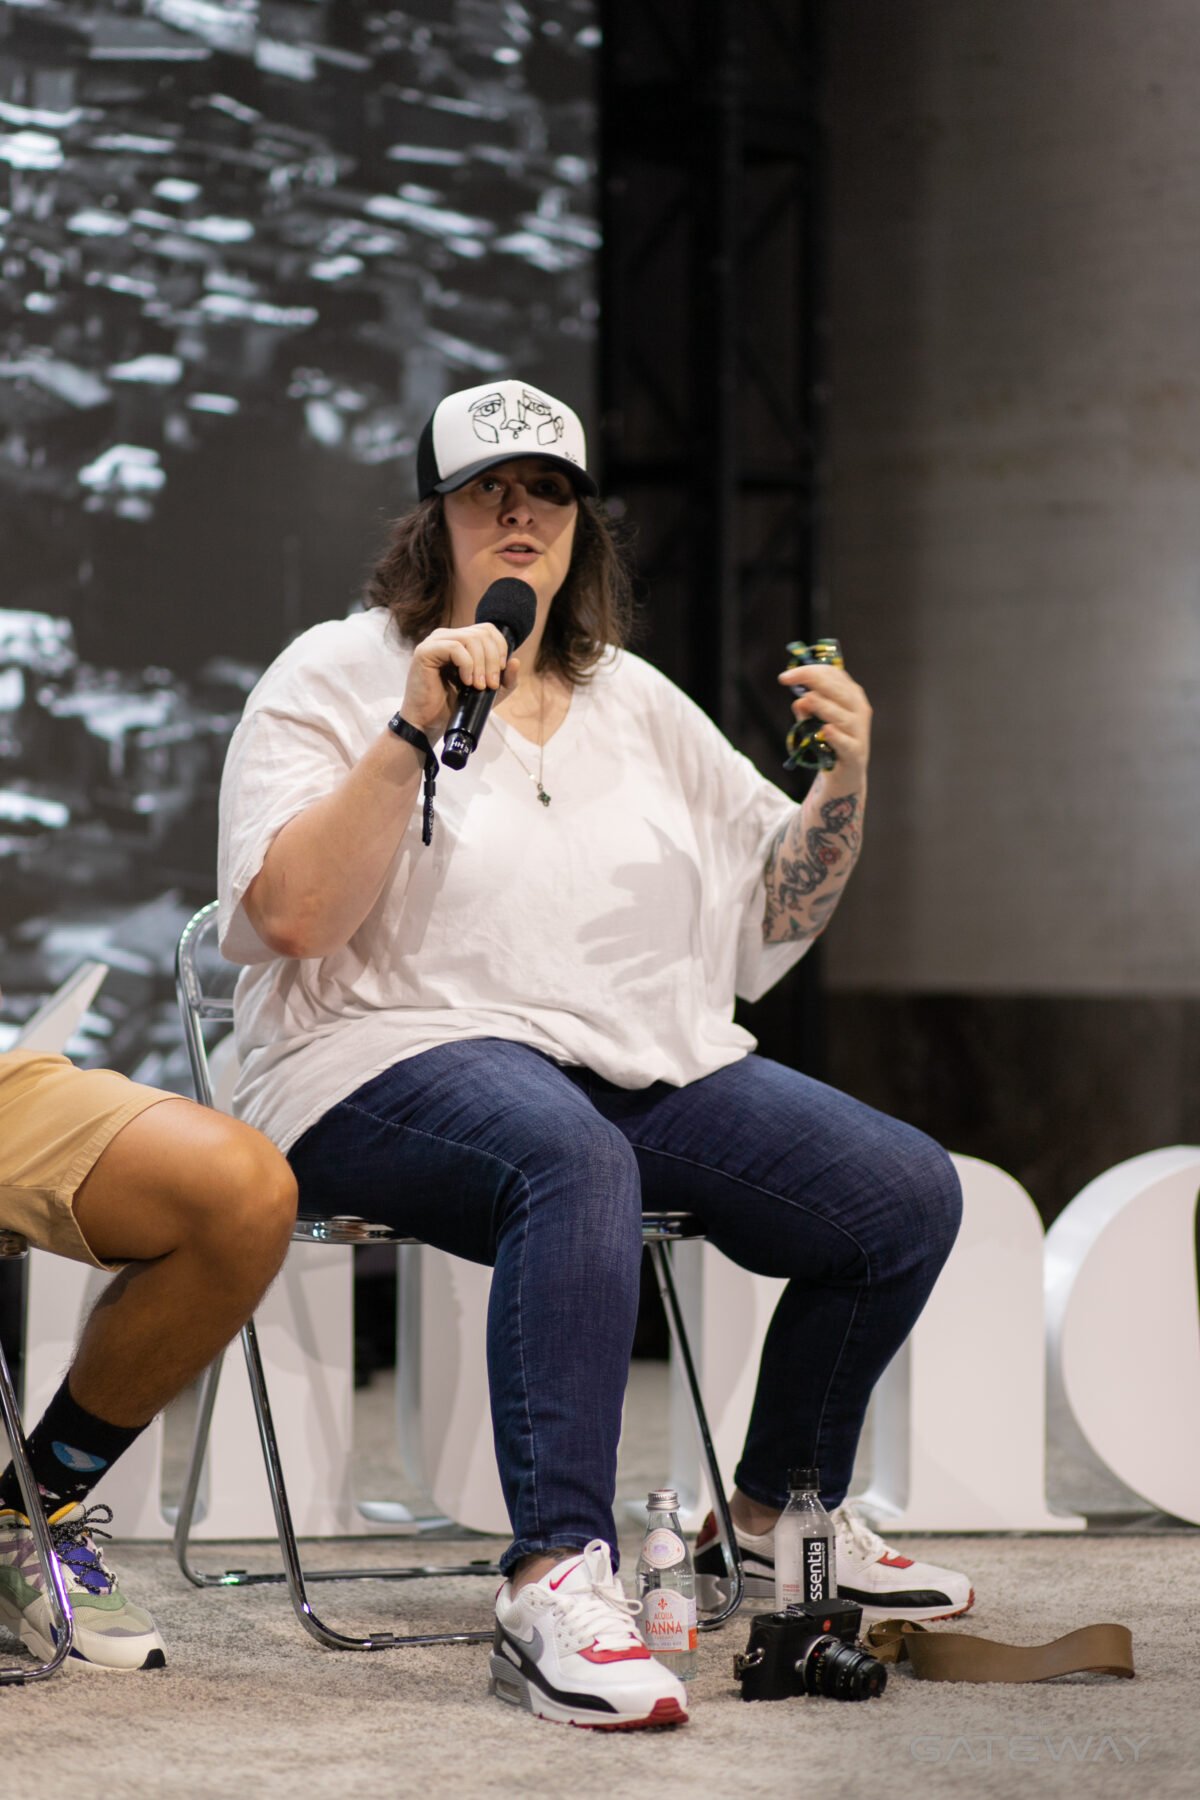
(509, 603)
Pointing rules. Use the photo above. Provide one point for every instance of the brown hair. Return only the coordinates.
(593, 607)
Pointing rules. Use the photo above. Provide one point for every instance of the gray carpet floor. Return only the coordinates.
(250, 1705)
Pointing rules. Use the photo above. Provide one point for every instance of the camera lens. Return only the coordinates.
(838, 1672)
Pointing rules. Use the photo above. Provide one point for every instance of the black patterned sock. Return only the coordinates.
(70, 1450)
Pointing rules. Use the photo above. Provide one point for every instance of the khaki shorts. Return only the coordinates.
(55, 1123)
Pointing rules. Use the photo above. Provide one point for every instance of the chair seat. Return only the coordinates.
(349, 1228)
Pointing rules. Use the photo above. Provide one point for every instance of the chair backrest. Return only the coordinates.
(204, 984)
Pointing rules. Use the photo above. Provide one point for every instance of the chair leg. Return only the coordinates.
(294, 1575)
(717, 1616)
(62, 1621)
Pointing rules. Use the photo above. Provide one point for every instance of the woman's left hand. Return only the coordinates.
(810, 860)
(836, 699)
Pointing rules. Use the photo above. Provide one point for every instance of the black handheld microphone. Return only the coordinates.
(511, 606)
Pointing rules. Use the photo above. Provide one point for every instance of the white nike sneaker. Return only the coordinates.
(885, 1583)
(566, 1650)
(889, 1585)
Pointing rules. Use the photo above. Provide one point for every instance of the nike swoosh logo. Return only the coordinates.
(557, 1584)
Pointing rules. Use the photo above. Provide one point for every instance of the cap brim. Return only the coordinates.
(580, 477)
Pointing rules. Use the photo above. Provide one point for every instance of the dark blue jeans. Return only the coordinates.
(493, 1152)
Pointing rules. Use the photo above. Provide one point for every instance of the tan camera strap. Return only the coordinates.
(955, 1656)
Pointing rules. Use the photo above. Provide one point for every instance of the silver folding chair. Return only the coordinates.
(61, 1618)
(204, 984)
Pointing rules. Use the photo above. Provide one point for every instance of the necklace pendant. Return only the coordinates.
(543, 796)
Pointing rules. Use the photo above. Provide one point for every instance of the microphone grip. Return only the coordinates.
(466, 723)
(469, 717)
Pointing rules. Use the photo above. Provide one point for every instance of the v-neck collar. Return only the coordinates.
(578, 697)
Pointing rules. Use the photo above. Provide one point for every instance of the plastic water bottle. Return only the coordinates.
(667, 1586)
(803, 1544)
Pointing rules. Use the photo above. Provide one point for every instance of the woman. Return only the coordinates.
(509, 1039)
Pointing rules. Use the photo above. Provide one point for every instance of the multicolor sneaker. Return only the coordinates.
(886, 1584)
(566, 1650)
(110, 1631)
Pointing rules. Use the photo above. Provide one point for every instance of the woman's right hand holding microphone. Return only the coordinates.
(476, 655)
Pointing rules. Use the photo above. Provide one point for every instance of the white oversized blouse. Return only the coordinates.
(611, 929)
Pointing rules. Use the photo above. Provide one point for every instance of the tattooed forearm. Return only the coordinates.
(807, 869)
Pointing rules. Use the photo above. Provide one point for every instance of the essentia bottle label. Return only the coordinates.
(816, 1569)
(669, 1620)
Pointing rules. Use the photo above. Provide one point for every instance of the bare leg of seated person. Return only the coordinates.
(199, 1209)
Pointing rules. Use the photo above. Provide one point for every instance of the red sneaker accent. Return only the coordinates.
(893, 1560)
(663, 1712)
(635, 1653)
(708, 1531)
(959, 1611)
(565, 1573)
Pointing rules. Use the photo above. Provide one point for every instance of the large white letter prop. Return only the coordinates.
(453, 1427)
(59, 1297)
(960, 1412)
(305, 1337)
(1124, 1337)
(726, 1312)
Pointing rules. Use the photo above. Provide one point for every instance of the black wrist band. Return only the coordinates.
(412, 735)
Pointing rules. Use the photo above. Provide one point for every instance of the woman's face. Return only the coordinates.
(516, 519)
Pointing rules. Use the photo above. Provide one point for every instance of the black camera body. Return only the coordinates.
(810, 1648)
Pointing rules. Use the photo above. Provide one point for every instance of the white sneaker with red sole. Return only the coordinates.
(886, 1583)
(566, 1649)
(883, 1581)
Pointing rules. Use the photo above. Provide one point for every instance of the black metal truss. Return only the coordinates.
(710, 364)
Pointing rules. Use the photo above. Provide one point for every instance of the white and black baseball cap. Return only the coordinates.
(481, 426)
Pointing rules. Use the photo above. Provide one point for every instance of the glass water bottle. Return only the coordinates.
(667, 1586)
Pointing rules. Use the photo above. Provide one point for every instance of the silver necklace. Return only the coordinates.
(542, 795)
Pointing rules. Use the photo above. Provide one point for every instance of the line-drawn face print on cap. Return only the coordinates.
(549, 424)
(491, 417)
